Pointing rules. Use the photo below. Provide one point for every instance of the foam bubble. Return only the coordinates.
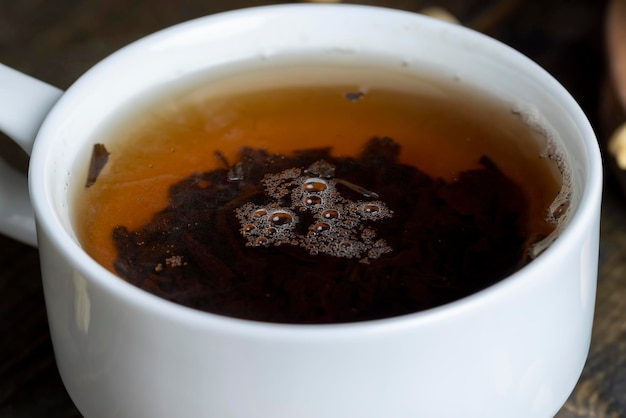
(263, 226)
(340, 227)
(559, 211)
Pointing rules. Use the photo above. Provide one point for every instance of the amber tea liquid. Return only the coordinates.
(442, 128)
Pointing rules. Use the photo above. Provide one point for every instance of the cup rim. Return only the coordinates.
(48, 222)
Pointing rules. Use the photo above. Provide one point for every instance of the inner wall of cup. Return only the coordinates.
(424, 47)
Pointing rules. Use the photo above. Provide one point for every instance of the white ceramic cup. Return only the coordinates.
(515, 349)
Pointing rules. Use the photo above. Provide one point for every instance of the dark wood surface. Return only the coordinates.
(56, 41)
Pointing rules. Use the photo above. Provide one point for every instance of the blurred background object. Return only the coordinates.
(613, 109)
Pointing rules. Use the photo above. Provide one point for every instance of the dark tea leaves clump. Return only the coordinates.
(313, 238)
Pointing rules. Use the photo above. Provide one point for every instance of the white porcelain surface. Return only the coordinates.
(513, 350)
(24, 103)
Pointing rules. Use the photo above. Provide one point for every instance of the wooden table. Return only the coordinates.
(56, 41)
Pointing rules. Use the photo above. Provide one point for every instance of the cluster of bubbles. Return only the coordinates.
(337, 226)
(558, 212)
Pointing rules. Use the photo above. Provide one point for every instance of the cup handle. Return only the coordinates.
(24, 104)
